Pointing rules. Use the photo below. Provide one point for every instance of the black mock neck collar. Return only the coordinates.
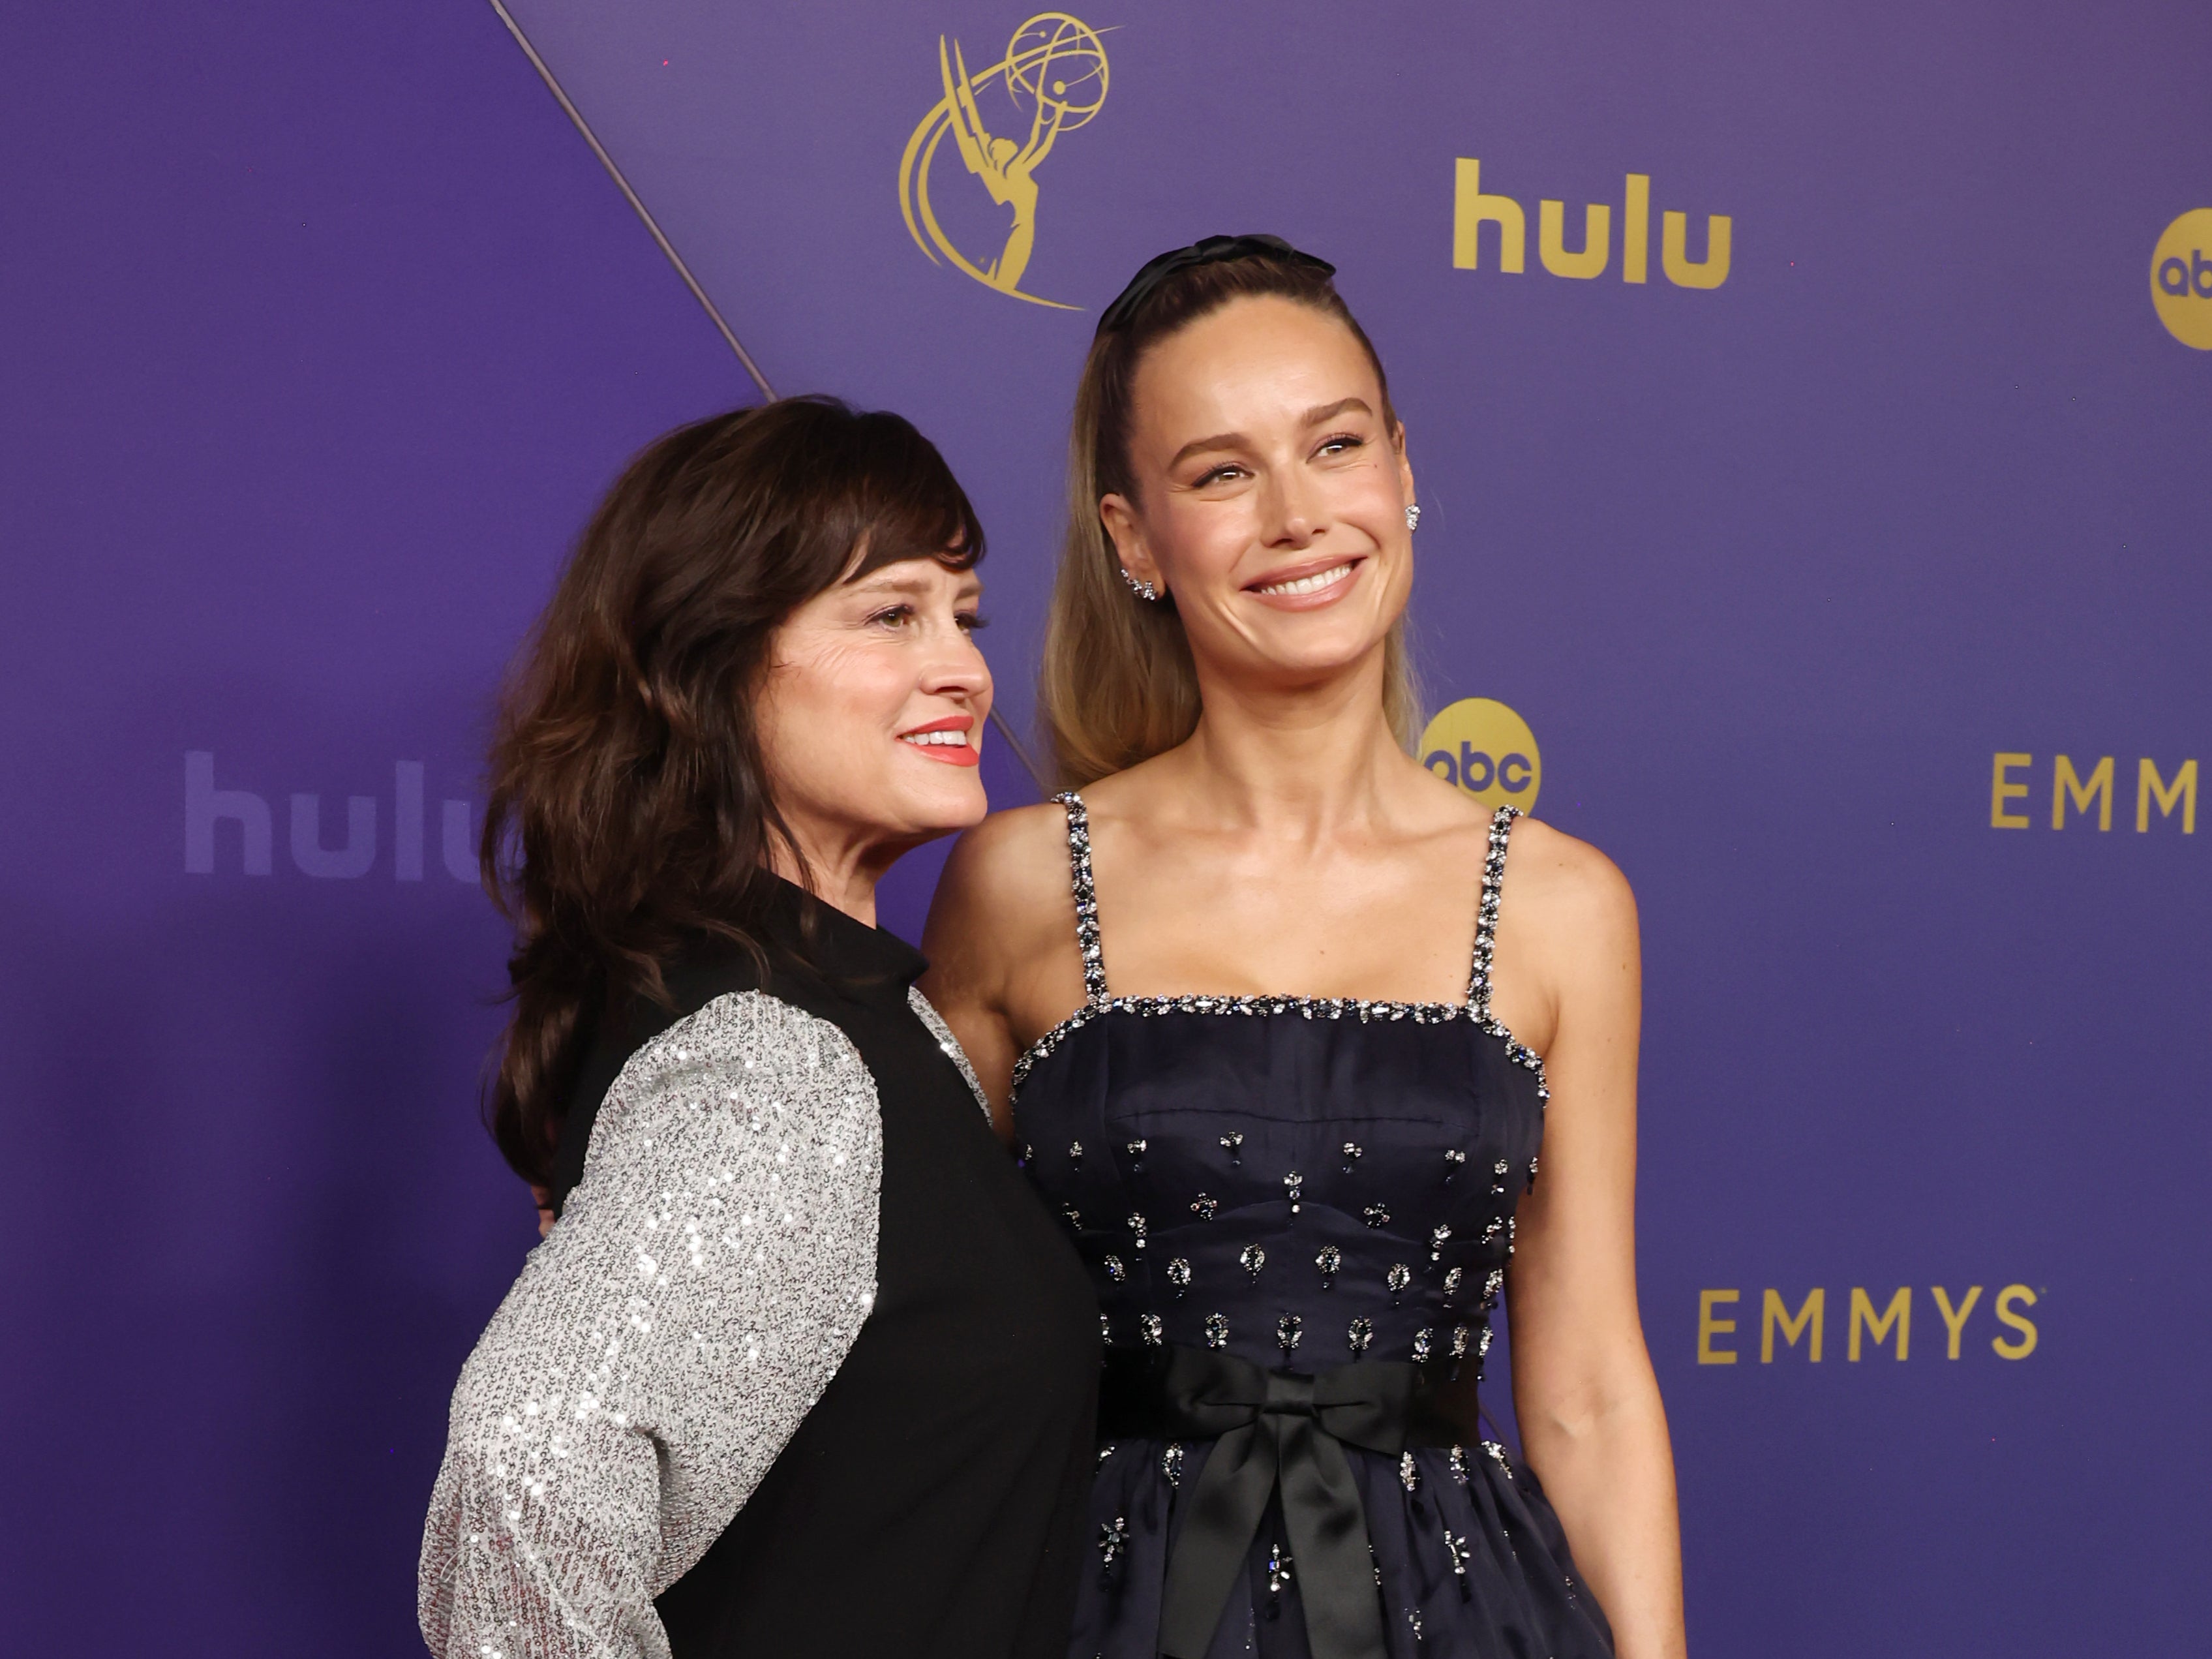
(866, 962)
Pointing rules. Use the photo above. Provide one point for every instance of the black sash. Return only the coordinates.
(1275, 1431)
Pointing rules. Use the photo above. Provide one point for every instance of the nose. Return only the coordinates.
(955, 667)
(1291, 515)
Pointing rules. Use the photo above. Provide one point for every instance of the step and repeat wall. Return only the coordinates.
(1810, 406)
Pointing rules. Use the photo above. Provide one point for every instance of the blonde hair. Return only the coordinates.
(1117, 685)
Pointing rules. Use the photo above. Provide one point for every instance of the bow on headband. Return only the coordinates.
(1213, 250)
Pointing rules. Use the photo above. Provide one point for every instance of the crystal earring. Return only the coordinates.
(1413, 515)
(1142, 590)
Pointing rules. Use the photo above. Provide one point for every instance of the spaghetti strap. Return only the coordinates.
(1086, 898)
(1486, 925)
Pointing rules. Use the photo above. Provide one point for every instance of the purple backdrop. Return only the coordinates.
(325, 328)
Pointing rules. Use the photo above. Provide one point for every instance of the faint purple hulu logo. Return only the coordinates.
(207, 809)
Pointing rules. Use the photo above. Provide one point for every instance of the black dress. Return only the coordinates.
(929, 1503)
(1297, 1214)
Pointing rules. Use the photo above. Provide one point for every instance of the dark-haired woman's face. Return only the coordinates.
(1271, 495)
(871, 719)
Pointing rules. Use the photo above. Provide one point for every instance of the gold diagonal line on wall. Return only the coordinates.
(630, 196)
(660, 239)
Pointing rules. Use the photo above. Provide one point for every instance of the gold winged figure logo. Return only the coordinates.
(1054, 76)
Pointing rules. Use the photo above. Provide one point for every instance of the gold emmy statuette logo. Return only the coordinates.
(1487, 750)
(2181, 278)
(1053, 76)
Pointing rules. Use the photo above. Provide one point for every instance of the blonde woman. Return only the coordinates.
(1286, 1028)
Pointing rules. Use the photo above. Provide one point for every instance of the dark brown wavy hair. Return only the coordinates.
(630, 816)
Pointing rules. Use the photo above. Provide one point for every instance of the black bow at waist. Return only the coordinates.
(1273, 1430)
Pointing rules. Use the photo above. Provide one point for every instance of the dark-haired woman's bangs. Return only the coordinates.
(917, 509)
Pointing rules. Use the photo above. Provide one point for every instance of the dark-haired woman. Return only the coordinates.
(804, 1368)
(1287, 1060)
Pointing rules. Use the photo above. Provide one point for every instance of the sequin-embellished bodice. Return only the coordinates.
(1303, 1184)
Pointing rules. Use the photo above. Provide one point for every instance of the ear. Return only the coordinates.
(1404, 467)
(1127, 535)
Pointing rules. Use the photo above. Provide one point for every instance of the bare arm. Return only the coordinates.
(1000, 940)
(1592, 1424)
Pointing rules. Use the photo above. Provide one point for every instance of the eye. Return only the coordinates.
(1339, 443)
(970, 621)
(894, 615)
(1219, 474)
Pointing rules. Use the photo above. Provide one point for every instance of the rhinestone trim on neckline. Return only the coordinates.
(1098, 1000)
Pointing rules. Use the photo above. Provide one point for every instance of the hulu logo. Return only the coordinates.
(1472, 209)
(209, 811)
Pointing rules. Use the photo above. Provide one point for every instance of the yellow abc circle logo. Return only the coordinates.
(1487, 750)
(2181, 278)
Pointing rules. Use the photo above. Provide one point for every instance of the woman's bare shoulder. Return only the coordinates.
(1568, 879)
(1005, 885)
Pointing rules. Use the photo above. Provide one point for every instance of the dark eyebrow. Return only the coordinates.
(881, 580)
(1229, 440)
(877, 582)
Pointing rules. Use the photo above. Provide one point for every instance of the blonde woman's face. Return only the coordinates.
(1270, 496)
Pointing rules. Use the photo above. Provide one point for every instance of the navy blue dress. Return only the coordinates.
(1297, 1214)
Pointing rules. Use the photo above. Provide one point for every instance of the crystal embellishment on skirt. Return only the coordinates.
(1492, 1285)
(1460, 1334)
(1497, 1456)
(1424, 1342)
(1179, 1276)
(1252, 1258)
(1397, 1278)
(1456, 1547)
(1328, 1261)
(1279, 1569)
(1439, 1236)
(1136, 1152)
(1171, 1463)
(1137, 1230)
(1217, 1330)
(1352, 1155)
(1288, 1329)
(1112, 1539)
(1105, 1329)
(1205, 1208)
(1361, 1333)
(1075, 1151)
(1459, 1464)
(1293, 1188)
(1454, 1159)
(1074, 1216)
(1376, 1216)
(1409, 1472)
(1154, 1331)
(1114, 1270)
(1452, 1281)
(1233, 1144)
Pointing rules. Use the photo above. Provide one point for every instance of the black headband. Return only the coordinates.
(1213, 250)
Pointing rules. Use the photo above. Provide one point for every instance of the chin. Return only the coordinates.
(941, 811)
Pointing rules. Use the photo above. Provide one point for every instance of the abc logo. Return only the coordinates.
(1487, 750)
(2181, 278)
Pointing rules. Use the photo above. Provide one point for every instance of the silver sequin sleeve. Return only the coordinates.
(953, 1052)
(707, 1277)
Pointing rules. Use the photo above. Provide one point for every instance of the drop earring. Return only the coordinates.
(1413, 515)
(1143, 590)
